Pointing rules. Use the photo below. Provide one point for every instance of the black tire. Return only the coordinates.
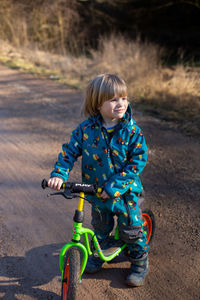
(148, 224)
(71, 274)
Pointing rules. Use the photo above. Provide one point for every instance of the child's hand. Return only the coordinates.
(55, 183)
(104, 195)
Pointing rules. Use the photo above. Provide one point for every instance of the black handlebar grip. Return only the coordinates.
(75, 187)
(44, 183)
(89, 189)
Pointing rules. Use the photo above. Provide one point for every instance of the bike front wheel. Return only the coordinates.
(71, 274)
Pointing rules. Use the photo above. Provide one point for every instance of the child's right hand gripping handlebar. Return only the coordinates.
(75, 187)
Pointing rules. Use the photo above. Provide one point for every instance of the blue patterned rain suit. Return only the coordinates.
(113, 163)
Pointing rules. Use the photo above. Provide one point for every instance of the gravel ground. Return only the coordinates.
(36, 117)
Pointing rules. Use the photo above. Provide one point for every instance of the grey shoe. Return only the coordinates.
(138, 272)
(94, 264)
(108, 247)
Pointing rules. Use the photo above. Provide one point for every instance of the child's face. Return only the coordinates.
(114, 109)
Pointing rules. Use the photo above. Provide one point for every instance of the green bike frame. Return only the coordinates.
(79, 231)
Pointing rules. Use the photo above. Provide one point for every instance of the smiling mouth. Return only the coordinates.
(120, 110)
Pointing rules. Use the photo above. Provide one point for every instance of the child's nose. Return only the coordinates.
(120, 102)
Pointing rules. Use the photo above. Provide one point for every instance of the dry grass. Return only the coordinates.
(172, 92)
(52, 25)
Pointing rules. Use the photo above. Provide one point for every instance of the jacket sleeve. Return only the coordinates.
(70, 152)
(127, 179)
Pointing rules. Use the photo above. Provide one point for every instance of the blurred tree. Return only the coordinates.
(76, 25)
(170, 22)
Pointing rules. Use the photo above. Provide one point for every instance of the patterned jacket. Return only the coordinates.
(112, 163)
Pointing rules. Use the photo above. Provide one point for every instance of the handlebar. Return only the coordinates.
(76, 187)
(44, 184)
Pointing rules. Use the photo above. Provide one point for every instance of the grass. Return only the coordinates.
(171, 93)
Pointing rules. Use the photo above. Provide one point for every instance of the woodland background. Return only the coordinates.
(153, 44)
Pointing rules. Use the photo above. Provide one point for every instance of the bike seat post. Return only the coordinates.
(81, 201)
(78, 219)
(79, 213)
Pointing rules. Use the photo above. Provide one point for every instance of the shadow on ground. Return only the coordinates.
(22, 276)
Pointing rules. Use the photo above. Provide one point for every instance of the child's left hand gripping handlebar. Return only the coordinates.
(75, 187)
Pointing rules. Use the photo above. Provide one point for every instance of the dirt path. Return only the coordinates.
(36, 116)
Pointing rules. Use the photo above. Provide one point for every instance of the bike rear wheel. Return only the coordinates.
(148, 224)
(71, 274)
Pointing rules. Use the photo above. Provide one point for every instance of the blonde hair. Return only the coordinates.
(100, 89)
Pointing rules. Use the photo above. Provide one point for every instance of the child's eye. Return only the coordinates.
(113, 100)
(124, 98)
